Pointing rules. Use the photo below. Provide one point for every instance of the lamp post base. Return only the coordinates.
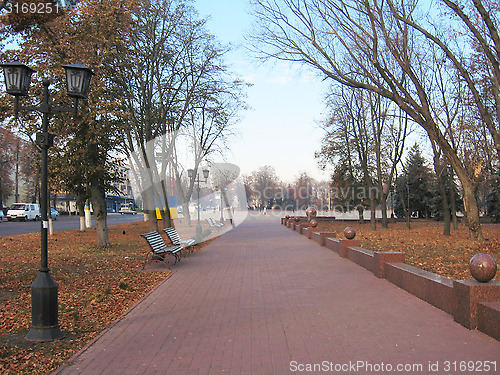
(44, 309)
(42, 334)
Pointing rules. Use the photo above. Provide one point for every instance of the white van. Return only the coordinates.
(24, 211)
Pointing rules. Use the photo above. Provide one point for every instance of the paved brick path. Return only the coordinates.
(265, 300)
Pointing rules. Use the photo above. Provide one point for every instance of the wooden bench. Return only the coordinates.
(174, 237)
(159, 249)
(213, 224)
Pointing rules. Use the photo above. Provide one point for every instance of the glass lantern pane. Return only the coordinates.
(26, 80)
(75, 81)
(17, 78)
(12, 78)
(78, 80)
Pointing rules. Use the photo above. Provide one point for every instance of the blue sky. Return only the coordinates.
(281, 129)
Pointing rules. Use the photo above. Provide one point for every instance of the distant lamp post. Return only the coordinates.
(44, 308)
(221, 203)
(197, 180)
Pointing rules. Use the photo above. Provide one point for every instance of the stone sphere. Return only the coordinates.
(483, 267)
(297, 219)
(349, 233)
(313, 223)
(311, 211)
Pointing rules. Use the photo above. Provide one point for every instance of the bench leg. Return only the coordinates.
(146, 261)
(159, 258)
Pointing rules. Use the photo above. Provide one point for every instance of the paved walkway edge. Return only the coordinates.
(69, 362)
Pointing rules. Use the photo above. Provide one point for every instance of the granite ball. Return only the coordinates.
(297, 219)
(349, 233)
(313, 223)
(483, 267)
(311, 211)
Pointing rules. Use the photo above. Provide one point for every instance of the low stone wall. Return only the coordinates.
(362, 257)
(320, 237)
(471, 303)
(489, 318)
(340, 245)
(468, 294)
(430, 287)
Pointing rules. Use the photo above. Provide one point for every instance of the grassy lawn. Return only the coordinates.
(96, 286)
(424, 245)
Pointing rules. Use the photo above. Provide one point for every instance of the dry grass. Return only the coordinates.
(424, 245)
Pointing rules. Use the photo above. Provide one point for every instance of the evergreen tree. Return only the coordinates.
(415, 188)
(452, 192)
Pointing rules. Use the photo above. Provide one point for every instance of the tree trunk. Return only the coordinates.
(469, 186)
(472, 209)
(452, 201)
(167, 219)
(446, 207)
(230, 211)
(186, 213)
(439, 169)
(150, 209)
(68, 204)
(98, 195)
(361, 211)
(373, 214)
(80, 206)
(406, 210)
(383, 203)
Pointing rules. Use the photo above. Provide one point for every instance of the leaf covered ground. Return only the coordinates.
(424, 245)
(96, 286)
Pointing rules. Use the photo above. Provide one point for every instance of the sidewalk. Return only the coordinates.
(263, 299)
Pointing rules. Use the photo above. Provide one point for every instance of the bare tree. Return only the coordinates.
(366, 135)
(377, 46)
(176, 84)
(264, 184)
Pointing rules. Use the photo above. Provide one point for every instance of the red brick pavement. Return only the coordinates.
(263, 299)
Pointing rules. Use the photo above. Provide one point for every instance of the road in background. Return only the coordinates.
(63, 223)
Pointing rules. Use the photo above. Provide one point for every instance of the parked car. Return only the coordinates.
(54, 214)
(127, 210)
(24, 211)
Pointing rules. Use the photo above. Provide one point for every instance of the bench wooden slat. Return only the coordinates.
(176, 239)
(213, 224)
(158, 247)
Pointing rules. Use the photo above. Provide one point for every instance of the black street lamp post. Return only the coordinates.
(196, 179)
(44, 308)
